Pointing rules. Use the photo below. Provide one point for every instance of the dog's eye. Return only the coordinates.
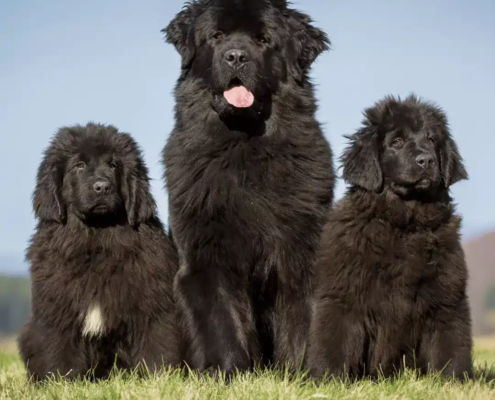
(432, 140)
(113, 165)
(397, 142)
(80, 166)
(263, 39)
(218, 35)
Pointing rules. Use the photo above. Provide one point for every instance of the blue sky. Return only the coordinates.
(67, 62)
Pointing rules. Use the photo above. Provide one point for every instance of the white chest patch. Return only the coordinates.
(93, 325)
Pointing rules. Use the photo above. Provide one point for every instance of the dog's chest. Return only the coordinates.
(93, 321)
(253, 180)
(412, 270)
(109, 294)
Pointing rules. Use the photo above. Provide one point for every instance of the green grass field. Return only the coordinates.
(262, 385)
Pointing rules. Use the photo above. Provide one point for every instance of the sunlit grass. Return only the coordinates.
(260, 385)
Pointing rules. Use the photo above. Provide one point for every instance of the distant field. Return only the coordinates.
(261, 385)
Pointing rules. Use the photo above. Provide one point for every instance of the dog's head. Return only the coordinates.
(404, 145)
(96, 173)
(241, 50)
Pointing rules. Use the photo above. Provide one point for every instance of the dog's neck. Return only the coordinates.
(408, 214)
(75, 237)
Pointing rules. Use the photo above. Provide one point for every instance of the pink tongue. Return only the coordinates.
(239, 97)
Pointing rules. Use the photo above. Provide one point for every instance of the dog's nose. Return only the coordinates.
(102, 187)
(424, 160)
(236, 58)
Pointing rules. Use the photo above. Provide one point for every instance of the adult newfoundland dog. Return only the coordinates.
(102, 268)
(250, 180)
(391, 288)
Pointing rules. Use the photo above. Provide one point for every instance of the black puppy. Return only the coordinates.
(392, 277)
(102, 268)
(250, 180)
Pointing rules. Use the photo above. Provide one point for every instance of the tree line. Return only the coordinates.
(15, 303)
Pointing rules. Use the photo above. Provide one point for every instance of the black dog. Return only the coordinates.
(250, 180)
(391, 285)
(102, 267)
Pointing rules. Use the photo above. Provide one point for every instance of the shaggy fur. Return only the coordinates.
(249, 188)
(102, 268)
(392, 278)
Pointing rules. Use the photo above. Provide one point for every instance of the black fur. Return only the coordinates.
(249, 189)
(105, 248)
(392, 278)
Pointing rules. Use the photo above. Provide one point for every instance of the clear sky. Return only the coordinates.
(64, 62)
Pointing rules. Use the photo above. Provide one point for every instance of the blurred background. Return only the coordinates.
(67, 62)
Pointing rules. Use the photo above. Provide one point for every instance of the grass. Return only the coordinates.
(260, 385)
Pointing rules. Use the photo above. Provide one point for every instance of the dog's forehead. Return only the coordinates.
(433, 120)
(403, 117)
(94, 150)
(238, 16)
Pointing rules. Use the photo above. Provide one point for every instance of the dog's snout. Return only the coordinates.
(424, 160)
(236, 58)
(102, 187)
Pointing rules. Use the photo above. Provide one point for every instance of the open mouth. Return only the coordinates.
(234, 82)
(237, 95)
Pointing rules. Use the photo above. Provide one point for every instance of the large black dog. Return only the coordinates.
(102, 267)
(250, 180)
(391, 288)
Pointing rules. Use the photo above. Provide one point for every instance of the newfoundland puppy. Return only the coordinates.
(250, 180)
(102, 268)
(391, 288)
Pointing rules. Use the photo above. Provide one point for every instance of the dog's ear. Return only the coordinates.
(451, 165)
(308, 42)
(139, 203)
(361, 160)
(179, 33)
(48, 203)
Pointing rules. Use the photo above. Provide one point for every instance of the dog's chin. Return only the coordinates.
(420, 187)
(424, 184)
(100, 210)
(103, 216)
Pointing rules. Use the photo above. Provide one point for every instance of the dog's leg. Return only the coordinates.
(160, 347)
(216, 314)
(446, 344)
(49, 354)
(291, 319)
(336, 342)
